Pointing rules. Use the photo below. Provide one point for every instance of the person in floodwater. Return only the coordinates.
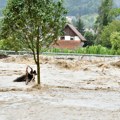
(29, 76)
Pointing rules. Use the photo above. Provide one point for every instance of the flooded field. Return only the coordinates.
(70, 90)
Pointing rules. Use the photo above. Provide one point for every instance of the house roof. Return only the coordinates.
(76, 32)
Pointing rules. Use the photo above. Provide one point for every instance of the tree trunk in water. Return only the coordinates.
(38, 70)
(38, 49)
(38, 61)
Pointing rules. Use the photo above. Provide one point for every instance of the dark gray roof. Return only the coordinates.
(76, 32)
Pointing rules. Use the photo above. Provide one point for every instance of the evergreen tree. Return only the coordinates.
(104, 17)
(78, 23)
(90, 38)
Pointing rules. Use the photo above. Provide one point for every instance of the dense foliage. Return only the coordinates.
(36, 23)
(108, 31)
(78, 23)
(107, 27)
(75, 7)
(115, 40)
(86, 50)
(82, 7)
(78, 7)
(104, 17)
(90, 37)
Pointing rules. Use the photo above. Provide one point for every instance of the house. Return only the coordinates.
(72, 38)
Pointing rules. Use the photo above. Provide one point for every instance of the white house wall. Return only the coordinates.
(76, 38)
(69, 38)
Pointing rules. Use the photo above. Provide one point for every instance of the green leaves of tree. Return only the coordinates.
(37, 23)
(23, 18)
(115, 40)
(108, 32)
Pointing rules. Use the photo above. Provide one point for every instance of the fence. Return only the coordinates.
(71, 56)
(9, 52)
(67, 55)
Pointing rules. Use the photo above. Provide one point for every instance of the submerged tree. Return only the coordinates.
(37, 23)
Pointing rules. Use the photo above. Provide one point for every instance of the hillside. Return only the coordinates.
(82, 7)
(87, 9)
(74, 7)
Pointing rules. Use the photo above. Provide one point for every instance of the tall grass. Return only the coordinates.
(86, 50)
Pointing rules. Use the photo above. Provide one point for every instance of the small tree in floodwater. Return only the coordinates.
(37, 23)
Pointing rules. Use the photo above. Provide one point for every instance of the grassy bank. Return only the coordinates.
(86, 50)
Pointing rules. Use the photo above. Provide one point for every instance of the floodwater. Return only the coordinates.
(90, 92)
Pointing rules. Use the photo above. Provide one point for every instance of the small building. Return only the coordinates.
(71, 39)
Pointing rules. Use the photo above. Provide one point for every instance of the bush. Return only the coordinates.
(87, 50)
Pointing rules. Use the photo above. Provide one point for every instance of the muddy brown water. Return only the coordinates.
(82, 94)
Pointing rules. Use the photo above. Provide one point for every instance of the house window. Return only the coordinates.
(62, 38)
(71, 38)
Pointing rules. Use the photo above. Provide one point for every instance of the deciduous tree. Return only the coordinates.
(104, 14)
(107, 31)
(90, 38)
(37, 23)
(115, 40)
(104, 17)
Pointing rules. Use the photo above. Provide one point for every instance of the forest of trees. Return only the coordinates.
(75, 7)
(100, 16)
(33, 24)
(87, 9)
(82, 7)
